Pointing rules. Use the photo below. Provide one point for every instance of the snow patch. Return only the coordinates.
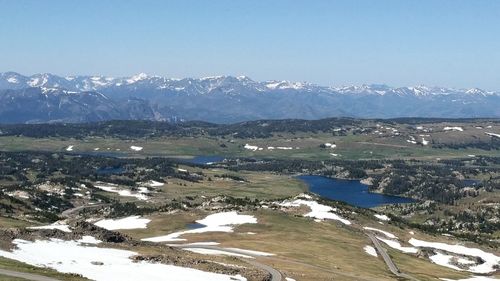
(251, 147)
(318, 211)
(122, 192)
(490, 260)
(89, 240)
(102, 264)
(382, 217)
(443, 260)
(153, 183)
(220, 222)
(493, 135)
(387, 234)
(57, 225)
(473, 278)
(458, 129)
(330, 145)
(370, 251)
(396, 245)
(216, 252)
(132, 222)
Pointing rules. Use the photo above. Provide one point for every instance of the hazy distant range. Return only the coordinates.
(44, 98)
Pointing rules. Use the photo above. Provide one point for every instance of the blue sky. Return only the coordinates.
(437, 42)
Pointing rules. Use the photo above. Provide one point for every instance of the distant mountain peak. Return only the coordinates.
(138, 77)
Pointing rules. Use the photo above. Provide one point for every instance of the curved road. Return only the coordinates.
(387, 259)
(275, 274)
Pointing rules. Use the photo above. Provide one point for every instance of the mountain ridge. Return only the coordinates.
(9, 80)
(224, 99)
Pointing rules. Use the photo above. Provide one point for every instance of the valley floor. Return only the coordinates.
(86, 208)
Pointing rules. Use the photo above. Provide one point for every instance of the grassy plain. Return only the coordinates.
(381, 144)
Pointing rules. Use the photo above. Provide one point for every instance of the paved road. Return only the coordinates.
(27, 276)
(387, 259)
(275, 274)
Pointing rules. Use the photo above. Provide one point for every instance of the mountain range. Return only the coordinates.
(43, 98)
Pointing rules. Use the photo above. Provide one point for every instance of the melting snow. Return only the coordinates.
(318, 211)
(490, 260)
(216, 252)
(443, 260)
(132, 222)
(493, 135)
(251, 147)
(382, 217)
(122, 192)
(473, 278)
(220, 222)
(370, 251)
(390, 235)
(332, 146)
(73, 257)
(57, 225)
(153, 183)
(89, 240)
(459, 129)
(396, 245)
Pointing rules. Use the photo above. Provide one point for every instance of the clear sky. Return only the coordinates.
(400, 43)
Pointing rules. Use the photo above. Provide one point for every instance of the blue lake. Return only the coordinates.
(110, 170)
(204, 160)
(350, 191)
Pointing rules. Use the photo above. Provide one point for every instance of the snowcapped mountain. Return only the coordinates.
(224, 99)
